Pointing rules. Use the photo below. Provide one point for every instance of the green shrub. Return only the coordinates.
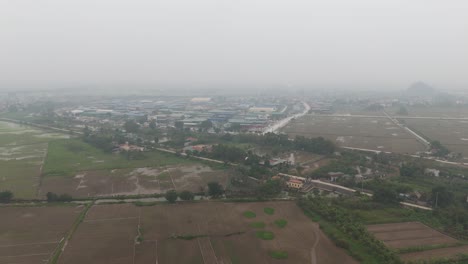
(257, 225)
(278, 254)
(250, 214)
(265, 235)
(268, 210)
(281, 223)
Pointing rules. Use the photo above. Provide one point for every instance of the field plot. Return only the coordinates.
(451, 133)
(81, 170)
(22, 152)
(209, 232)
(132, 181)
(29, 235)
(358, 132)
(415, 234)
(433, 111)
(410, 234)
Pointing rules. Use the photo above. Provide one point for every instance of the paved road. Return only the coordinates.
(283, 122)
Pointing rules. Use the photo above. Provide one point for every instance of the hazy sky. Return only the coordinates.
(355, 43)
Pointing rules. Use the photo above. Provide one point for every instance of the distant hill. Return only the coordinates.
(420, 88)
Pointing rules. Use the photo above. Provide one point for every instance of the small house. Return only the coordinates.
(295, 184)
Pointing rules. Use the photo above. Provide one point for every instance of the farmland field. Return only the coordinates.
(416, 235)
(29, 235)
(451, 133)
(358, 132)
(22, 151)
(212, 232)
(66, 157)
(134, 181)
(81, 170)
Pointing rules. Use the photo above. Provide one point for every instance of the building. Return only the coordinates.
(335, 175)
(295, 184)
(127, 147)
(200, 100)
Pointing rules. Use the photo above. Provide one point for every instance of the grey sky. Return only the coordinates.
(356, 43)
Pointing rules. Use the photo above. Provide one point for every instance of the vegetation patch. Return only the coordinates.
(269, 210)
(187, 237)
(426, 247)
(249, 214)
(257, 225)
(278, 254)
(265, 235)
(281, 223)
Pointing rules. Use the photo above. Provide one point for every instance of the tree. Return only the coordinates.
(171, 196)
(51, 197)
(441, 150)
(270, 188)
(65, 198)
(186, 196)
(215, 189)
(386, 195)
(411, 170)
(205, 125)
(131, 126)
(441, 197)
(179, 125)
(6, 196)
(152, 124)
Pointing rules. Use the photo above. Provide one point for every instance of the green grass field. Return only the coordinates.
(66, 157)
(22, 151)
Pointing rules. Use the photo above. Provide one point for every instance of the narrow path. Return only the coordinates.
(313, 254)
(40, 177)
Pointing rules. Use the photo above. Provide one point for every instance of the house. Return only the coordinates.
(295, 184)
(432, 172)
(335, 175)
(127, 147)
(199, 148)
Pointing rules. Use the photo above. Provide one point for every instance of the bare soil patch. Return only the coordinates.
(31, 234)
(377, 133)
(435, 253)
(402, 235)
(415, 234)
(208, 232)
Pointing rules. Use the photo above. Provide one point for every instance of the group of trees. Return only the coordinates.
(53, 197)
(215, 190)
(6, 196)
(439, 149)
(352, 228)
(411, 170)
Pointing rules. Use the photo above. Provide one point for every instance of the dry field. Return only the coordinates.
(451, 133)
(29, 235)
(208, 232)
(358, 132)
(135, 181)
(410, 234)
(415, 234)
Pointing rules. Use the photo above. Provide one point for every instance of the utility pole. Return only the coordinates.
(437, 198)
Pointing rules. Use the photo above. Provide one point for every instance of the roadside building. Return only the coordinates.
(295, 184)
(334, 176)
